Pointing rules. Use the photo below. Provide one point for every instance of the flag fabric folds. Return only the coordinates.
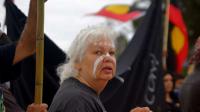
(178, 40)
(23, 87)
(141, 68)
(121, 12)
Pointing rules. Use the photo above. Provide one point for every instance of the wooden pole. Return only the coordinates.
(165, 37)
(39, 52)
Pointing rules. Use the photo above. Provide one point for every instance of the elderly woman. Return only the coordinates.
(92, 64)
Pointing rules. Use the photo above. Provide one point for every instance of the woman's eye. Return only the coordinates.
(98, 53)
(112, 53)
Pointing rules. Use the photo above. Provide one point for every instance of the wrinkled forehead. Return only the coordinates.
(102, 42)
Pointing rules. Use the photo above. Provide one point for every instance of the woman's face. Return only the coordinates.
(98, 62)
(168, 83)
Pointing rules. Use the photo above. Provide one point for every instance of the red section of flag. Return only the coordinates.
(121, 17)
(176, 19)
(120, 12)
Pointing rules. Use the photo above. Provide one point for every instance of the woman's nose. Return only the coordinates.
(108, 59)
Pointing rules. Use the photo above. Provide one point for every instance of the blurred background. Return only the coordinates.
(64, 21)
(64, 18)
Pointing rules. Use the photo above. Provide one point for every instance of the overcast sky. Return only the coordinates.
(65, 18)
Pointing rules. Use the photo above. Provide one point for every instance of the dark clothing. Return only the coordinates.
(74, 96)
(10, 102)
(171, 107)
(190, 92)
(7, 73)
(7, 53)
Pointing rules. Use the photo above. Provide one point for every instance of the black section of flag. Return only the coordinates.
(141, 68)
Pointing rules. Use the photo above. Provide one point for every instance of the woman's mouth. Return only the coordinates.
(107, 70)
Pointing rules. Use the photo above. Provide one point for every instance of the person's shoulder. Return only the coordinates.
(67, 98)
(74, 88)
(81, 102)
(70, 100)
(193, 79)
(191, 86)
(71, 92)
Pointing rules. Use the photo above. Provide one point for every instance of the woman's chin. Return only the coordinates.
(107, 77)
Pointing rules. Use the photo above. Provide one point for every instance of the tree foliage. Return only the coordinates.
(191, 15)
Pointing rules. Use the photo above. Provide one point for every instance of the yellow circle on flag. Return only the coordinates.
(118, 9)
(177, 37)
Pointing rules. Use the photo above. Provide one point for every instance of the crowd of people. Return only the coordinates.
(92, 64)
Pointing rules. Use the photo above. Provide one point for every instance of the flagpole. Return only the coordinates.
(165, 36)
(39, 52)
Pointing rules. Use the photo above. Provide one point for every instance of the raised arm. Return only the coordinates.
(27, 42)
